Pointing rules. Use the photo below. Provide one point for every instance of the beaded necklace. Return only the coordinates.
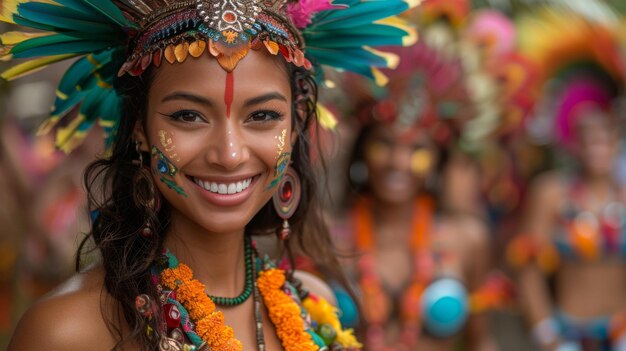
(377, 310)
(249, 282)
(190, 312)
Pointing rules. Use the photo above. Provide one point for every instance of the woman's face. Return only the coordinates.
(218, 141)
(398, 163)
(597, 143)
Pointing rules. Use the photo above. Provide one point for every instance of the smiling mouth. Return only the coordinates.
(228, 188)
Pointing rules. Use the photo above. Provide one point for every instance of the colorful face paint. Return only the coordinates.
(168, 145)
(167, 170)
(282, 160)
(229, 92)
(421, 162)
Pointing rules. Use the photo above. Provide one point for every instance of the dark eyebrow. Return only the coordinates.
(264, 98)
(179, 95)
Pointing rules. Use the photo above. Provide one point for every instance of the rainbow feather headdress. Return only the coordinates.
(111, 38)
(581, 68)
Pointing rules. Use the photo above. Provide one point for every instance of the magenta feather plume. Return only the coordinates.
(579, 95)
(302, 11)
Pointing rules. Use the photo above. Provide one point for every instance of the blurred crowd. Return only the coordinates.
(477, 192)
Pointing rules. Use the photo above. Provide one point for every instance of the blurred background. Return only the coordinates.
(507, 113)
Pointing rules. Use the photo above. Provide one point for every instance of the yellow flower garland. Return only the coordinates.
(324, 313)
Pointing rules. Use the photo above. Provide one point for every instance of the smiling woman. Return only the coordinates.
(207, 106)
(223, 133)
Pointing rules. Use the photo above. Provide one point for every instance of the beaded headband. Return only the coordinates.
(111, 38)
(226, 29)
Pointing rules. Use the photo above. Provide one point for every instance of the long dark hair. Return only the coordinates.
(127, 256)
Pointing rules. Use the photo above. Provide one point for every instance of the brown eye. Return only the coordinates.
(187, 116)
(265, 116)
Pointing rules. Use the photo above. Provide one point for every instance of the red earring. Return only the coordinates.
(286, 200)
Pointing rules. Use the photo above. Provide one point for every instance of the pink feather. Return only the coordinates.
(302, 11)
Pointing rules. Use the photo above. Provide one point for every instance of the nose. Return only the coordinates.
(400, 158)
(228, 148)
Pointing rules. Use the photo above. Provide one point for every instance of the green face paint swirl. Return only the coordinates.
(167, 170)
(281, 167)
(282, 159)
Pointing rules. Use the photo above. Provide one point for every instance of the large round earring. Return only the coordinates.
(286, 200)
(145, 194)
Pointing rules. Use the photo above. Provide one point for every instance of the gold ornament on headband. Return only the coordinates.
(226, 29)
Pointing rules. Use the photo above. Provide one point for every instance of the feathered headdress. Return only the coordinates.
(581, 60)
(112, 38)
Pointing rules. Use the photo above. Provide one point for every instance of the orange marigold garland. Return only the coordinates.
(284, 312)
(209, 322)
(288, 313)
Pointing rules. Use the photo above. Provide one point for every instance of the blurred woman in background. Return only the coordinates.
(415, 265)
(574, 231)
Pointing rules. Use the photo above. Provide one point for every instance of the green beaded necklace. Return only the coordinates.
(249, 283)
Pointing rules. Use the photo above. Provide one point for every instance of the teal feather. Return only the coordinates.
(75, 74)
(82, 7)
(348, 58)
(62, 107)
(57, 44)
(19, 20)
(79, 80)
(32, 10)
(371, 30)
(110, 114)
(108, 9)
(338, 61)
(359, 13)
(352, 41)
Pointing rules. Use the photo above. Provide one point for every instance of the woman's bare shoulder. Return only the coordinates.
(317, 286)
(68, 318)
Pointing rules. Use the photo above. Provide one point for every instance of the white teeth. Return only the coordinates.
(231, 188)
(222, 189)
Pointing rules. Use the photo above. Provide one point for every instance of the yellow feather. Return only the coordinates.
(34, 65)
(379, 77)
(16, 37)
(326, 118)
(392, 59)
(411, 33)
(68, 138)
(47, 125)
(9, 7)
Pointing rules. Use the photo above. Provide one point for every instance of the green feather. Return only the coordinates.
(109, 112)
(331, 58)
(82, 7)
(31, 10)
(80, 70)
(360, 13)
(108, 9)
(351, 58)
(354, 41)
(56, 44)
(373, 29)
(19, 20)
(64, 106)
